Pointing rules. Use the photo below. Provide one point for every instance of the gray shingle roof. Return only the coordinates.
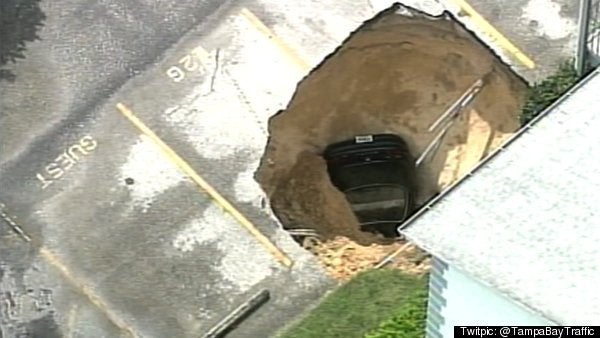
(527, 221)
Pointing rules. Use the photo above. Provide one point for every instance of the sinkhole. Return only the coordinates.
(396, 74)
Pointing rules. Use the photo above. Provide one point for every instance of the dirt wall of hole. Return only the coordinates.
(395, 74)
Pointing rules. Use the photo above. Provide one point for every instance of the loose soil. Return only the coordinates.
(395, 74)
(344, 258)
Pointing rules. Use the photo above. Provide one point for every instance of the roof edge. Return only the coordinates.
(462, 269)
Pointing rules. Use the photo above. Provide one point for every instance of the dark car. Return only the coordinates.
(376, 173)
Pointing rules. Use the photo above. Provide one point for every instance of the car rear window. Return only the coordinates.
(368, 173)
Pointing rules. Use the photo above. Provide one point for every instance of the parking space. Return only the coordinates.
(534, 35)
(132, 232)
(74, 65)
(144, 218)
(109, 208)
(46, 302)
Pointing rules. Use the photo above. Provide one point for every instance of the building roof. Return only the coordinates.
(525, 221)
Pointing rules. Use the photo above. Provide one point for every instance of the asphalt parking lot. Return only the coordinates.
(126, 233)
(116, 219)
(84, 52)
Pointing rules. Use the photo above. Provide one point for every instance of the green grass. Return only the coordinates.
(359, 306)
(542, 94)
(409, 322)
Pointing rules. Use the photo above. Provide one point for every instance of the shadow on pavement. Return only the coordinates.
(20, 21)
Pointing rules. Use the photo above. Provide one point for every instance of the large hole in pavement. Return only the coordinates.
(396, 74)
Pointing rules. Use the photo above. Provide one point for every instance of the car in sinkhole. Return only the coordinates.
(376, 173)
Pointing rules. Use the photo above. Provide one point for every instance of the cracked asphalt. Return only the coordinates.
(117, 239)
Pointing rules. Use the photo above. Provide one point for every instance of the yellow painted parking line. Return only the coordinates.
(87, 291)
(493, 33)
(212, 192)
(290, 53)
